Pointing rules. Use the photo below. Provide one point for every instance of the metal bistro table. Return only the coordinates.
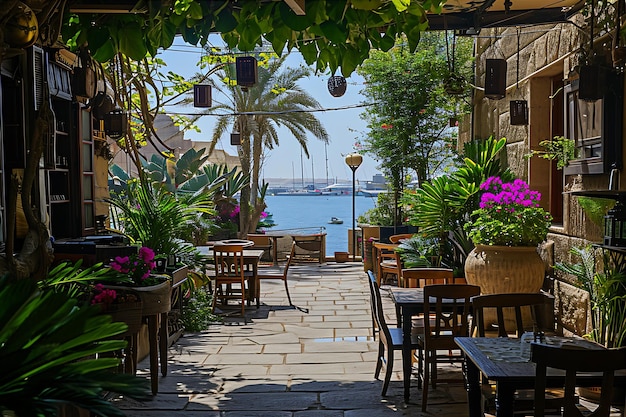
(251, 258)
(409, 302)
(501, 360)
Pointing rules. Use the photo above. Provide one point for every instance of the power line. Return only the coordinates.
(266, 113)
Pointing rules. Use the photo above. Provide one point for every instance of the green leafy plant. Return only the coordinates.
(418, 251)
(52, 349)
(596, 208)
(197, 313)
(509, 215)
(559, 149)
(607, 294)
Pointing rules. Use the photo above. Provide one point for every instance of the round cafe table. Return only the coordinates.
(242, 242)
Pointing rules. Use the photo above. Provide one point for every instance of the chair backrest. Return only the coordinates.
(512, 314)
(419, 277)
(260, 240)
(399, 237)
(229, 261)
(290, 257)
(573, 360)
(449, 307)
(376, 305)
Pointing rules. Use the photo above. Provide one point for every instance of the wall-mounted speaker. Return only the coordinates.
(495, 79)
(519, 112)
(246, 67)
(235, 139)
(592, 81)
(202, 95)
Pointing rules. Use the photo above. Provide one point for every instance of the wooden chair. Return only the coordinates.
(419, 277)
(389, 338)
(571, 360)
(263, 242)
(266, 273)
(510, 315)
(400, 237)
(388, 262)
(229, 270)
(514, 314)
(450, 320)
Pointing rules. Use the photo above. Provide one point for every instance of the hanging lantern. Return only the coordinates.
(247, 75)
(115, 124)
(337, 86)
(592, 81)
(235, 139)
(21, 29)
(615, 226)
(495, 79)
(202, 95)
(519, 112)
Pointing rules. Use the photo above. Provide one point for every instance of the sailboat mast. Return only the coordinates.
(312, 172)
(326, 156)
(302, 168)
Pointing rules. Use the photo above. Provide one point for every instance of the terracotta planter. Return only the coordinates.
(505, 269)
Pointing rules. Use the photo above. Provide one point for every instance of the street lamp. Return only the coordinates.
(354, 161)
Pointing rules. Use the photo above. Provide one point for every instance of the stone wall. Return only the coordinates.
(544, 53)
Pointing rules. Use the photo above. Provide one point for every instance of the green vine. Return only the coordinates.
(559, 149)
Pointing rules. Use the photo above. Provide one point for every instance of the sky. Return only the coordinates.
(344, 127)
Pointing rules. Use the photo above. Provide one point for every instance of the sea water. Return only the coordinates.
(315, 211)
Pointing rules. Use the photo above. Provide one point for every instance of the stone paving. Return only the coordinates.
(286, 362)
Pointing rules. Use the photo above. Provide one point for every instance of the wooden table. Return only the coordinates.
(251, 258)
(409, 302)
(274, 238)
(501, 360)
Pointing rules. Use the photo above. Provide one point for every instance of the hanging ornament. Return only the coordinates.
(337, 86)
(21, 29)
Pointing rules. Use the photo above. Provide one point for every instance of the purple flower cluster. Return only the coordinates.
(508, 194)
(138, 267)
(103, 295)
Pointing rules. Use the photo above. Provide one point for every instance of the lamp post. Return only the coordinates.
(354, 161)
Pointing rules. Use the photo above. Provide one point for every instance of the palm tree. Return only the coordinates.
(257, 113)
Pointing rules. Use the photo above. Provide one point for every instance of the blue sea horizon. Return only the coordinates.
(314, 212)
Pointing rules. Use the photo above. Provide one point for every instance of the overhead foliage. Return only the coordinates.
(333, 33)
(409, 131)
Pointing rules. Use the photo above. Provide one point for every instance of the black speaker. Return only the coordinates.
(495, 79)
(519, 112)
(202, 95)
(235, 139)
(246, 71)
(592, 81)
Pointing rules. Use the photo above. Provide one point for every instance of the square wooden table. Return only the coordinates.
(500, 359)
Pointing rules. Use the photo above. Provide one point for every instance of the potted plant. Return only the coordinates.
(506, 229)
(53, 349)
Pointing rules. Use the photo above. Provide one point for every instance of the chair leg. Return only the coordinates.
(388, 371)
(420, 367)
(287, 291)
(379, 360)
(425, 383)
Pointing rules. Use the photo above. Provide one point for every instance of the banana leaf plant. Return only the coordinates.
(51, 354)
(606, 285)
(439, 208)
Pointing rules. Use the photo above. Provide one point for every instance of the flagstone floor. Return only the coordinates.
(316, 360)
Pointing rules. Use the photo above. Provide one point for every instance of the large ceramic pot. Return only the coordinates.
(505, 269)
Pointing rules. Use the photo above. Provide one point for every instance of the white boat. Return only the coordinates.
(335, 220)
(300, 193)
(337, 189)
